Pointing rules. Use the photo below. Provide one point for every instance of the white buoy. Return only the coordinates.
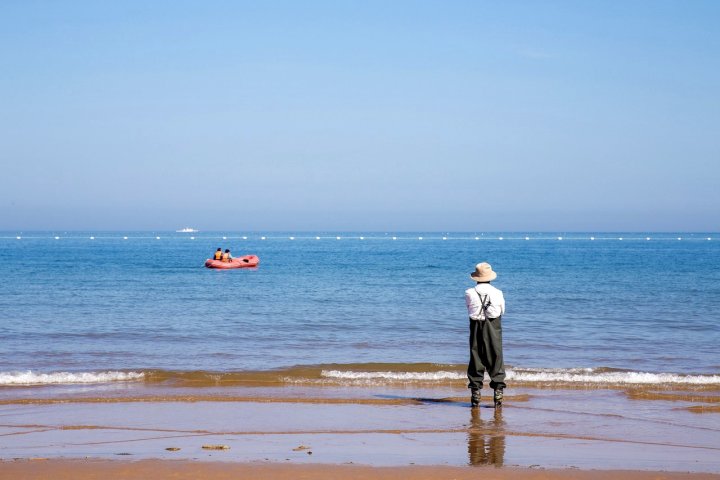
(477, 238)
(592, 238)
(317, 238)
(647, 238)
(500, 238)
(419, 238)
(57, 238)
(244, 238)
(224, 238)
(262, 238)
(394, 238)
(92, 238)
(157, 238)
(709, 238)
(527, 238)
(19, 238)
(124, 238)
(292, 238)
(337, 238)
(679, 238)
(192, 238)
(620, 238)
(559, 238)
(362, 238)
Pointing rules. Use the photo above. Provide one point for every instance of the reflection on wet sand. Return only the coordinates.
(486, 439)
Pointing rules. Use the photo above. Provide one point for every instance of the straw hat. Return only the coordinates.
(483, 273)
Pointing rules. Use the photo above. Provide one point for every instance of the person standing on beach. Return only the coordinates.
(485, 305)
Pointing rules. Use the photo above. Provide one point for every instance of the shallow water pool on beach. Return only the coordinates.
(76, 304)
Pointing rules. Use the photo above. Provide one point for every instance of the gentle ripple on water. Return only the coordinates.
(142, 303)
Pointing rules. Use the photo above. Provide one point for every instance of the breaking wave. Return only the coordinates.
(534, 376)
(388, 374)
(31, 378)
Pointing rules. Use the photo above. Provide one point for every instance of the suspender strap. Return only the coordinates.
(484, 305)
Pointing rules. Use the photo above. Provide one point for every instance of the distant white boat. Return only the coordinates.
(187, 230)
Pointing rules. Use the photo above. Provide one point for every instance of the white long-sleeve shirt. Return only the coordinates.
(494, 301)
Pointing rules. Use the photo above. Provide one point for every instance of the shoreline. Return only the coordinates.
(365, 375)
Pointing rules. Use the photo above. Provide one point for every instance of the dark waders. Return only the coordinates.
(486, 352)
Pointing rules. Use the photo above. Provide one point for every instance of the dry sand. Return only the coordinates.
(178, 470)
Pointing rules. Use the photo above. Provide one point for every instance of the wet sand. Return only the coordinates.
(280, 428)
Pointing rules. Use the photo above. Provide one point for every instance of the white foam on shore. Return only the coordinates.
(571, 375)
(613, 377)
(392, 376)
(31, 378)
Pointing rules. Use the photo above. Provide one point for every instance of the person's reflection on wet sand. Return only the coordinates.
(486, 440)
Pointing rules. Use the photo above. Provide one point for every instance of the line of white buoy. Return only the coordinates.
(443, 238)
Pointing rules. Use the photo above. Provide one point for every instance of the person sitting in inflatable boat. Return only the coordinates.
(218, 254)
(226, 256)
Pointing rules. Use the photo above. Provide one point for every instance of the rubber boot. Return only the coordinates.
(474, 398)
(498, 397)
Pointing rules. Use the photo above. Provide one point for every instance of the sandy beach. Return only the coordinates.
(357, 432)
(102, 469)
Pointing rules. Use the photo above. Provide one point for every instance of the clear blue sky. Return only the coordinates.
(360, 115)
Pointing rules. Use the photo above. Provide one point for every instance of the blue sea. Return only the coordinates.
(87, 302)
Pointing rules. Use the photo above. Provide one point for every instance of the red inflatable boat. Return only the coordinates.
(239, 262)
